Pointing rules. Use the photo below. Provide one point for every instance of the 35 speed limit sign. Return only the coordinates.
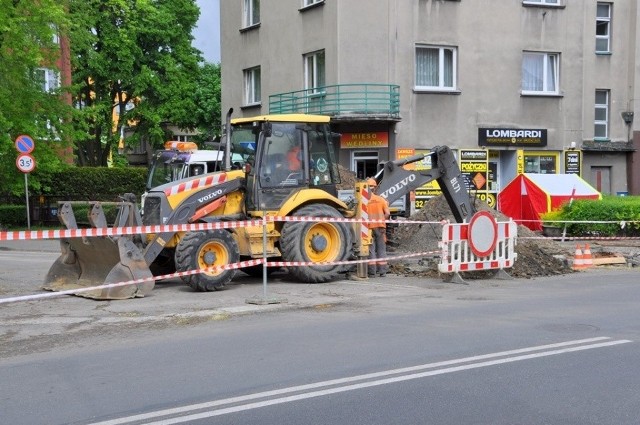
(26, 163)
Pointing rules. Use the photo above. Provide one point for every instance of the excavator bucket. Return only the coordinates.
(87, 262)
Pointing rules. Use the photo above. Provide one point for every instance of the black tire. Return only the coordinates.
(199, 250)
(316, 242)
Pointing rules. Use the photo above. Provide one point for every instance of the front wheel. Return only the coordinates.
(201, 250)
(320, 241)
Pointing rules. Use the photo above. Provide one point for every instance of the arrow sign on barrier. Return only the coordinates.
(25, 144)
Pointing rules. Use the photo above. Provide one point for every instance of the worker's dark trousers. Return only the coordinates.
(378, 249)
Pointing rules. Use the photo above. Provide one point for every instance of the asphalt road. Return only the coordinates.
(396, 350)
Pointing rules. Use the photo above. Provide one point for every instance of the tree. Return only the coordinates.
(207, 100)
(133, 63)
(28, 34)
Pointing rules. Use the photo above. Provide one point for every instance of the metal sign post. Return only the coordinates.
(26, 195)
(26, 163)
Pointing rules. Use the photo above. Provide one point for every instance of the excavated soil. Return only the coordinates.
(536, 257)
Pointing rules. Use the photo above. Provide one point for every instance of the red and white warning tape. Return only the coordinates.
(119, 231)
(583, 238)
(22, 235)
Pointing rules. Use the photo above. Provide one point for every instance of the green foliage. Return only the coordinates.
(611, 208)
(27, 33)
(552, 218)
(132, 53)
(207, 100)
(13, 216)
(97, 183)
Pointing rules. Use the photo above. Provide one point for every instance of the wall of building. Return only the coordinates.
(374, 42)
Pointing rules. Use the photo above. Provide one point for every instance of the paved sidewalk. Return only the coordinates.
(47, 245)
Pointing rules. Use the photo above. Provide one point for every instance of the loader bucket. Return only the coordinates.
(99, 261)
(94, 261)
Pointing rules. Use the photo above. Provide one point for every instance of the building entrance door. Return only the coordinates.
(601, 179)
(364, 164)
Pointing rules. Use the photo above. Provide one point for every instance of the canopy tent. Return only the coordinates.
(529, 195)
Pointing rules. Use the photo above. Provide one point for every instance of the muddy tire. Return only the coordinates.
(200, 250)
(316, 242)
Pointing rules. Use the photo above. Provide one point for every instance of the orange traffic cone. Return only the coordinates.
(586, 257)
(578, 261)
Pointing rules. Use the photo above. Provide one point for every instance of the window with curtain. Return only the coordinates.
(540, 73)
(601, 123)
(314, 71)
(603, 28)
(436, 68)
(251, 13)
(252, 86)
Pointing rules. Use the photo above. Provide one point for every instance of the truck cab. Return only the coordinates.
(179, 160)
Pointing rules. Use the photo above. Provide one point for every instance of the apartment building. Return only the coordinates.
(536, 86)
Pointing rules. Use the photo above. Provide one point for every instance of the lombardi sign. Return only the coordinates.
(512, 137)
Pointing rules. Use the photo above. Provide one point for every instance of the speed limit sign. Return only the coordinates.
(26, 163)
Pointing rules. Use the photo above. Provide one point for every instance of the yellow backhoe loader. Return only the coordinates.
(274, 165)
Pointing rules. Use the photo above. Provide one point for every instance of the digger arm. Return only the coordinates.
(395, 182)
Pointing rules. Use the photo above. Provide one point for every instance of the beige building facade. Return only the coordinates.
(540, 86)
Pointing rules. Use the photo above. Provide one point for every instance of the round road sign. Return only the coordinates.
(25, 144)
(483, 233)
(25, 163)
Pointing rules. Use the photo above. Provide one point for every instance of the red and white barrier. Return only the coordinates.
(481, 244)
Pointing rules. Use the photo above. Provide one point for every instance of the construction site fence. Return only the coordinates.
(503, 252)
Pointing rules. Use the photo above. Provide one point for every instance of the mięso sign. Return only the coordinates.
(512, 137)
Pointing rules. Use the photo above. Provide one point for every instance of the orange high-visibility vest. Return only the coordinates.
(378, 209)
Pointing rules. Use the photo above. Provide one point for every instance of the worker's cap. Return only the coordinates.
(372, 182)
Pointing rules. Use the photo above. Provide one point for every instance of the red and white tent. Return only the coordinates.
(529, 195)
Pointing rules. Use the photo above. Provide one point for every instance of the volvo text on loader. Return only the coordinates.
(288, 168)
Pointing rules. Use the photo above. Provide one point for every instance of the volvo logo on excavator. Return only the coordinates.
(210, 196)
(398, 186)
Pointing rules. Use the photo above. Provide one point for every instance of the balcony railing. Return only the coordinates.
(343, 100)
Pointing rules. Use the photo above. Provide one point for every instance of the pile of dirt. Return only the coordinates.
(536, 257)
(347, 179)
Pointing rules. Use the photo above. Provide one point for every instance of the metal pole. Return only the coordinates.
(26, 191)
(264, 253)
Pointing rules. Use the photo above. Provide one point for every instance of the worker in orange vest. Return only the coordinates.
(378, 209)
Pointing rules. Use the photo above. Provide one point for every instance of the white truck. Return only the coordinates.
(179, 160)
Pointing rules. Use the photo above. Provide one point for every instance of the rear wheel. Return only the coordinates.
(316, 242)
(201, 250)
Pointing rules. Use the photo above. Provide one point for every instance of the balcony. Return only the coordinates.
(343, 101)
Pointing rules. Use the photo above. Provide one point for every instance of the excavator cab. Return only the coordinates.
(291, 153)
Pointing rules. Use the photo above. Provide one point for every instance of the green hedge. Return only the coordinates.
(610, 208)
(94, 183)
(13, 216)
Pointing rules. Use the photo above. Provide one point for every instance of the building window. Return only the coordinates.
(603, 28)
(252, 86)
(540, 73)
(436, 68)
(550, 2)
(307, 3)
(48, 79)
(314, 72)
(251, 12)
(601, 122)
(541, 163)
